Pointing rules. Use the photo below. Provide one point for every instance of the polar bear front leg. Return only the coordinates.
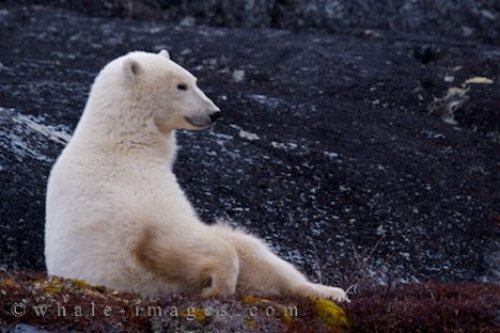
(198, 264)
(263, 272)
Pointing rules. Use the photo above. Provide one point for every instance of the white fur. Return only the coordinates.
(116, 215)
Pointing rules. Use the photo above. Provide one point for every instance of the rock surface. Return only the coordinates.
(326, 149)
(33, 303)
(470, 19)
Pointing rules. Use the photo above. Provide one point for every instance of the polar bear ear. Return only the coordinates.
(165, 54)
(131, 67)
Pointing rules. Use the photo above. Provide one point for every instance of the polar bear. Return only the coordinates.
(115, 213)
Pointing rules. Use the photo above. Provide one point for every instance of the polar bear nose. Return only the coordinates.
(216, 115)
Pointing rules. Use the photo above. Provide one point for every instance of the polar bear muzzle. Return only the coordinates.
(204, 120)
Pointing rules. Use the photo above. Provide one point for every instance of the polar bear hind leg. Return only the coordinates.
(262, 272)
(203, 265)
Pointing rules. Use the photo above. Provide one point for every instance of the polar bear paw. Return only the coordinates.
(322, 291)
(335, 293)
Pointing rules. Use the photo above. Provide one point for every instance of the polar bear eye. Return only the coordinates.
(182, 86)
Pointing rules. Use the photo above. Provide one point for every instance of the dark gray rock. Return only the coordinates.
(326, 149)
(22, 328)
(470, 19)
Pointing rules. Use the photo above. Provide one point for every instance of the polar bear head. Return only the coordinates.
(155, 89)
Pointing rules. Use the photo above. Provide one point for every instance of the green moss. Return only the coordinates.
(8, 283)
(250, 323)
(252, 300)
(194, 313)
(330, 313)
(81, 284)
(52, 286)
